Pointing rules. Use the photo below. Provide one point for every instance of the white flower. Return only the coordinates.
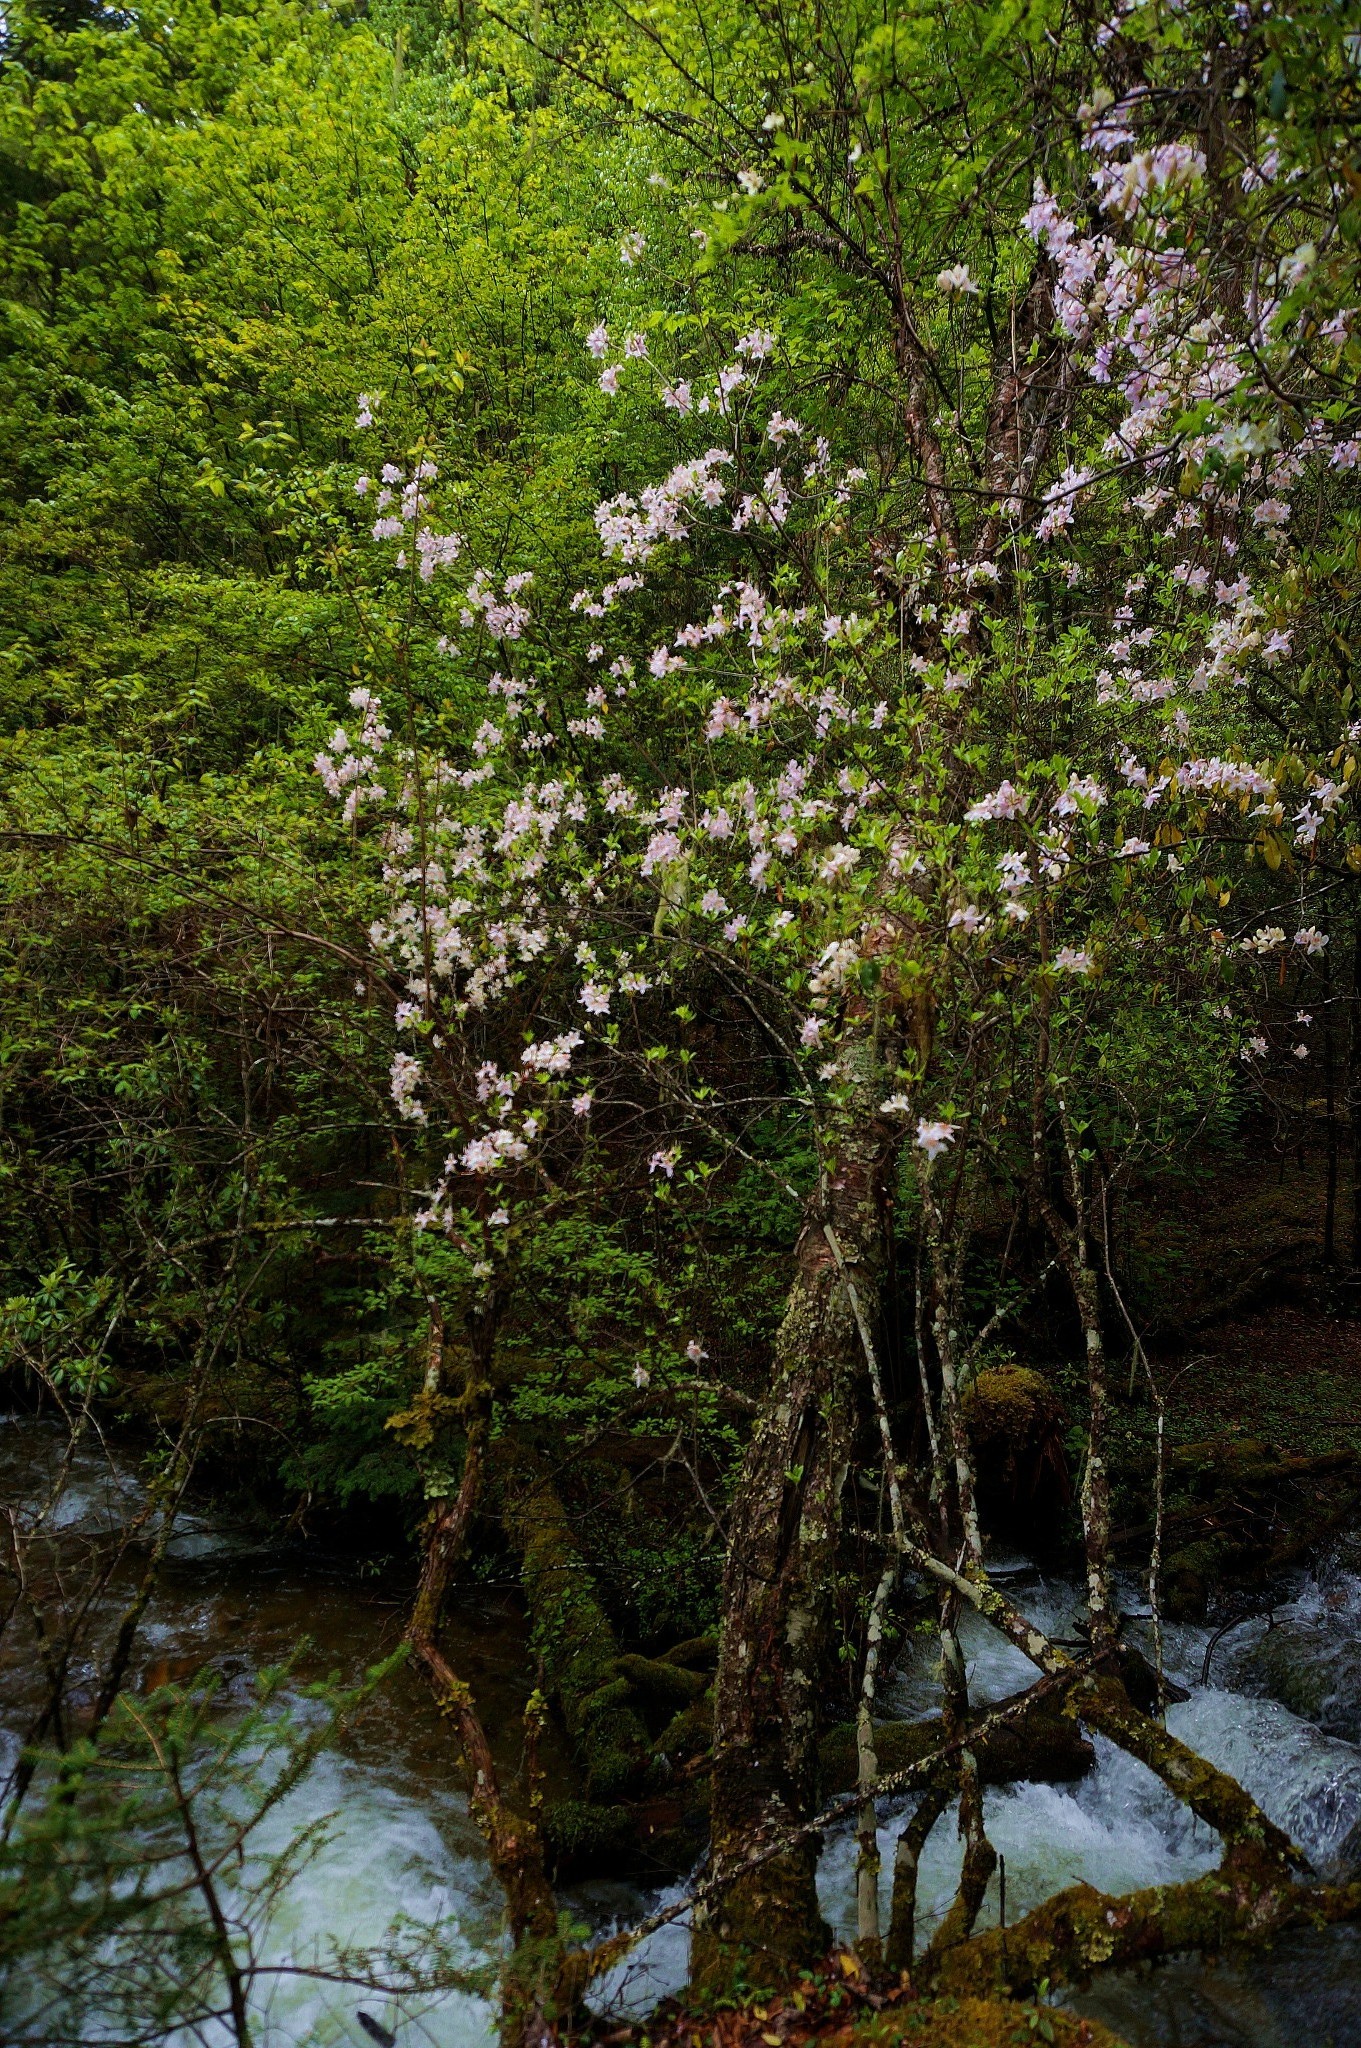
(956, 279)
(1312, 940)
(1068, 960)
(595, 998)
(499, 1218)
(839, 861)
(598, 340)
(609, 379)
(695, 1351)
(581, 1105)
(641, 1376)
(934, 1137)
(631, 248)
(895, 1105)
(664, 1161)
(810, 1031)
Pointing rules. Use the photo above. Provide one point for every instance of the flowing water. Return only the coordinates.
(400, 1841)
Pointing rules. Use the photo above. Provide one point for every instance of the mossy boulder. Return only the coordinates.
(1016, 1425)
(583, 1837)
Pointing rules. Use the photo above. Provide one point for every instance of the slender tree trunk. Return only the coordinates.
(514, 1842)
(778, 1581)
(1330, 1105)
(1354, 1082)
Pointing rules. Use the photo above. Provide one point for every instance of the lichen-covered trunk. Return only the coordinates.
(786, 1521)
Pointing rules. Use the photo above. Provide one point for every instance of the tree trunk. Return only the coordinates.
(777, 1587)
(530, 1986)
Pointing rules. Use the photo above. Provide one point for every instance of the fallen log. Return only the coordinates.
(1245, 1902)
(1041, 1746)
(573, 1634)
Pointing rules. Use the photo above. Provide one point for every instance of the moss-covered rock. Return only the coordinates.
(583, 1837)
(1016, 1424)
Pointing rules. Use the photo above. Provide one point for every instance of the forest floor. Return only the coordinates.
(847, 2011)
(1259, 1338)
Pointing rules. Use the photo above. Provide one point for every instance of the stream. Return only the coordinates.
(400, 1840)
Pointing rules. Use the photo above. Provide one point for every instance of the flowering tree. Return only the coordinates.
(938, 760)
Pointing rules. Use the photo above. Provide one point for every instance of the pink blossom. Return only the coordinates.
(933, 1137)
(1272, 512)
(405, 1080)
(724, 717)
(1069, 960)
(1005, 801)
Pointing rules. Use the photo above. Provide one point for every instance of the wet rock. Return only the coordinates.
(1312, 1671)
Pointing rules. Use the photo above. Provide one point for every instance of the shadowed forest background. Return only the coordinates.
(680, 1023)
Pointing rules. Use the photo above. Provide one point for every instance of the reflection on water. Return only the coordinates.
(401, 1843)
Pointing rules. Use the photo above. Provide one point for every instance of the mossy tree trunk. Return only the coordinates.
(529, 1992)
(777, 1589)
